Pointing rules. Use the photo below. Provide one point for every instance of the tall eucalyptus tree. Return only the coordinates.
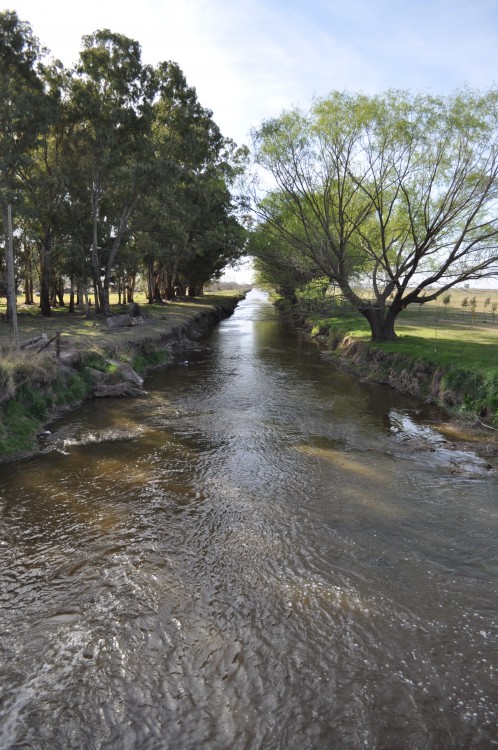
(22, 113)
(112, 95)
(186, 222)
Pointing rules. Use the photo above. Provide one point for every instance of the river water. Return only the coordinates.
(254, 555)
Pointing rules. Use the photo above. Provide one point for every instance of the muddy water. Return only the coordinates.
(262, 553)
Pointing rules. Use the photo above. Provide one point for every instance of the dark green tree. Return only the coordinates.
(112, 94)
(22, 112)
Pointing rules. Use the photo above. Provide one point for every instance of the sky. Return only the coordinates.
(250, 60)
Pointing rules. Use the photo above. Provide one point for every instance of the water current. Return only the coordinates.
(257, 554)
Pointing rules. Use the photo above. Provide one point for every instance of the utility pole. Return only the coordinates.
(11, 281)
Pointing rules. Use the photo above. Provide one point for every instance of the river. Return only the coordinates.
(254, 555)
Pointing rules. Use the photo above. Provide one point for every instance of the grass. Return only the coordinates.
(32, 386)
(461, 342)
(37, 388)
(82, 333)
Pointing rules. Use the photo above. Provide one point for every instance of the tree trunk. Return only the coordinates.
(11, 312)
(130, 287)
(104, 299)
(28, 277)
(45, 250)
(59, 289)
(28, 297)
(71, 295)
(381, 321)
(150, 281)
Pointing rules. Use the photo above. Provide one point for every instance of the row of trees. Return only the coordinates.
(109, 169)
(392, 199)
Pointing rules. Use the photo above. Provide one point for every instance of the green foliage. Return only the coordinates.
(35, 402)
(71, 390)
(116, 167)
(478, 390)
(144, 360)
(97, 361)
(36, 388)
(377, 188)
(17, 429)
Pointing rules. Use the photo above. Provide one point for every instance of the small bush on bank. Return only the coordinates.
(477, 389)
(97, 360)
(72, 389)
(17, 429)
(31, 387)
(142, 361)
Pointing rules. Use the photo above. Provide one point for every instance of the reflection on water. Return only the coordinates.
(263, 553)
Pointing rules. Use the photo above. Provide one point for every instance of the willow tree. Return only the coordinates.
(276, 250)
(402, 186)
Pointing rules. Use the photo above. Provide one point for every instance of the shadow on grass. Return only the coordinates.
(447, 352)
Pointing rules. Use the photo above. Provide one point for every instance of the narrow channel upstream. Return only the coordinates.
(253, 556)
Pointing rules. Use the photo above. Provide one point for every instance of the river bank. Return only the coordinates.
(75, 358)
(455, 391)
(423, 381)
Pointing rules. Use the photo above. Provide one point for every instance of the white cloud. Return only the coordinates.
(251, 60)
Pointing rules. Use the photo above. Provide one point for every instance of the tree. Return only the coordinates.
(22, 115)
(473, 305)
(487, 302)
(43, 183)
(112, 94)
(400, 188)
(186, 222)
(446, 301)
(278, 262)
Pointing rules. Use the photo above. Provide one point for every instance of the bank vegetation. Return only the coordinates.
(446, 351)
(72, 357)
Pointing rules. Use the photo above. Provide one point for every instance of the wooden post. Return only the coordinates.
(11, 281)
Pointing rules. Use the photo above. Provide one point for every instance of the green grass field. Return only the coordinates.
(80, 332)
(461, 341)
(448, 335)
(443, 334)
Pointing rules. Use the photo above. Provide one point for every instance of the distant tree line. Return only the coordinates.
(110, 169)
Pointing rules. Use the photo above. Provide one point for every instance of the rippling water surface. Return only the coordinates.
(252, 556)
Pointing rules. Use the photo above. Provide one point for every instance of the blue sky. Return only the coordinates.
(249, 60)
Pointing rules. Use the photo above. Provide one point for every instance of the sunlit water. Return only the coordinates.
(254, 555)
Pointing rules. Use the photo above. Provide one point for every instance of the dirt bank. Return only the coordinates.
(419, 379)
(91, 357)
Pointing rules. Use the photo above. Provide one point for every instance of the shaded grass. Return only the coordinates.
(31, 405)
(81, 333)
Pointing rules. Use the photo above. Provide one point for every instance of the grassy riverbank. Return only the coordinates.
(35, 384)
(447, 354)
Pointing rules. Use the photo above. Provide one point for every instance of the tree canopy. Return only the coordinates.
(114, 169)
(393, 198)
